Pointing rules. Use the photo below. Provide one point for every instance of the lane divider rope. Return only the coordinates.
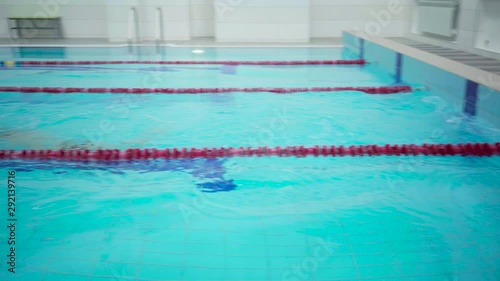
(467, 149)
(308, 62)
(59, 90)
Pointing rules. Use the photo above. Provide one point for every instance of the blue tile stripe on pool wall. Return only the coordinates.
(471, 92)
(399, 67)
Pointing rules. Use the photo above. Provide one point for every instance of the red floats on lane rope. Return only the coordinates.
(59, 90)
(309, 62)
(468, 149)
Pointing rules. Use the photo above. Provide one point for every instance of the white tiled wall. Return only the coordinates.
(117, 18)
(262, 20)
(379, 17)
(478, 28)
(176, 19)
(255, 20)
(468, 24)
(81, 18)
(202, 18)
(488, 25)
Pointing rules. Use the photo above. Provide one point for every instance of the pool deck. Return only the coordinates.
(472, 67)
(477, 61)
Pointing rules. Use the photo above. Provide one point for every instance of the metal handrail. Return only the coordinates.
(159, 31)
(133, 32)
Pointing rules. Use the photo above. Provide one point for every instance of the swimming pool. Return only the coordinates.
(259, 218)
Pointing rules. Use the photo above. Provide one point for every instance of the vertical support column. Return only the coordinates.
(471, 91)
(399, 67)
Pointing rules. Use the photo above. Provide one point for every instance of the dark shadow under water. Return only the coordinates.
(209, 173)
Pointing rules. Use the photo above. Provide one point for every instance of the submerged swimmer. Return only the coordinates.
(209, 174)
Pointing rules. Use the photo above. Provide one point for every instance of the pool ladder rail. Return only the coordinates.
(133, 29)
(159, 29)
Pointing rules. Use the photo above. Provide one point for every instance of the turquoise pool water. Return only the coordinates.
(152, 53)
(385, 218)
